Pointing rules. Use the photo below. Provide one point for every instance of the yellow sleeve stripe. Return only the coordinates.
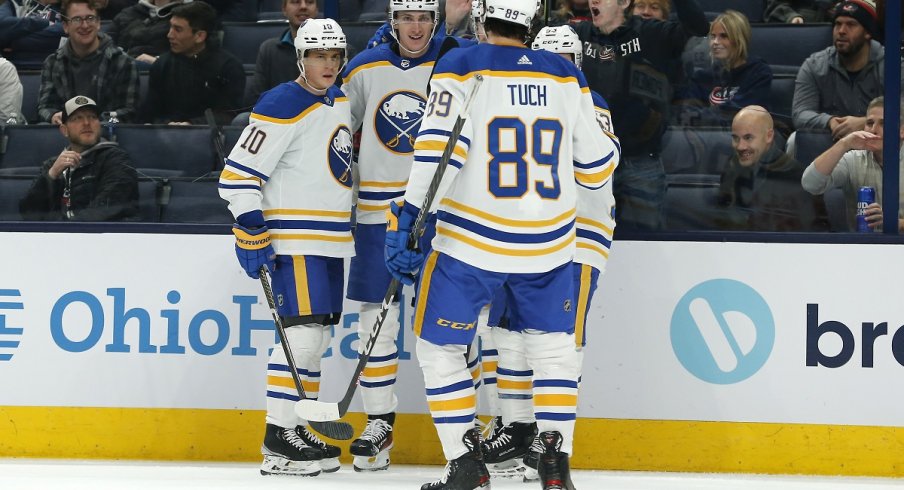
(596, 178)
(506, 251)
(369, 207)
(490, 366)
(229, 175)
(440, 147)
(463, 403)
(594, 223)
(588, 246)
(307, 212)
(365, 66)
(585, 90)
(507, 74)
(558, 220)
(276, 120)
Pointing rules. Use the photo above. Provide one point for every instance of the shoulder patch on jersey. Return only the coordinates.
(285, 103)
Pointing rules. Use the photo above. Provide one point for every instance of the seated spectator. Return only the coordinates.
(10, 94)
(855, 161)
(759, 188)
(835, 85)
(798, 11)
(29, 31)
(571, 12)
(141, 29)
(109, 9)
(653, 9)
(196, 74)
(277, 61)
(91, 180)
(734, 80)
(90, 65)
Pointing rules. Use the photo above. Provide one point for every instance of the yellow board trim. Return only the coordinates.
(168, 434)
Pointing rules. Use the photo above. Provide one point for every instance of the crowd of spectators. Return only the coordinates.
(659, 63)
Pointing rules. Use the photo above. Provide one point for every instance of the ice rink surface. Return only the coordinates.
(19, 474)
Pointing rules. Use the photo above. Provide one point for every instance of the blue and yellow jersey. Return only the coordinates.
(596, 208)
(530, 139)
(294, 162)
(387, 95)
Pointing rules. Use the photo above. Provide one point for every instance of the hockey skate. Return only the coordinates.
(371, 449)
(466, 472)
(553, 463)
(330, 461)
(285, 453)
(503, 450)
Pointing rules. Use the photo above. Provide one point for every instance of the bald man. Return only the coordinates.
(760, 187)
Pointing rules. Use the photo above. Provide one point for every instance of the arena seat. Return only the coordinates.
(168, 151)
(358, 33)
(690, 202)
(786, 46)
(753, 9)
(29, 146)
(695, 150)
(196, 201)
(243, 39)
(12, 190)
(781, 94)
(810, 143)
(31, 86)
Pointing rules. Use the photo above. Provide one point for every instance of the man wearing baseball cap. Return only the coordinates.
(835, 85)
(90, 180)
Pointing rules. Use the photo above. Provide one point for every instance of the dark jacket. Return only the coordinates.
(768, 197)
(104, 187)
(276, 64)
(810, 10)
(139, 32)
(181, 88)
(115, 85)
(26, 41)
(720, 94)
(630, 68)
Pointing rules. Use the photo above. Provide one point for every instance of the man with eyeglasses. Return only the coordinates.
(90, 64)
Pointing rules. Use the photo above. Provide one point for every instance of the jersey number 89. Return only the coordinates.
(551, 128)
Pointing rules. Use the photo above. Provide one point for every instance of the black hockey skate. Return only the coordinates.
(509, 442)
(531, 457)
(553, 463)
(466, 472)
(285, 453)
(330, 461)
(371, 449)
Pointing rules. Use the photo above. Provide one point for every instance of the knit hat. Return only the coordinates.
(863, 11)
(76, 103)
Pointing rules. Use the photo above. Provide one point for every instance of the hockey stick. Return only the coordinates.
(324, 411)
(334, 429)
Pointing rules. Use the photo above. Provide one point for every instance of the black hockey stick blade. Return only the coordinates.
(332, 429)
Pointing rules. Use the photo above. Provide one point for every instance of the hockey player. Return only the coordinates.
(289, 181)
(386, 87)
(595, 224)
(505, 219)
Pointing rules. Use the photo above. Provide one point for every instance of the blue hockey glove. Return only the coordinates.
(383, 35)
(252, 244)
(402, 263)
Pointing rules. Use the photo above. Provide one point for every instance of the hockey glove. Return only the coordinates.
(382, 36)
(252, 244)
(402, 263)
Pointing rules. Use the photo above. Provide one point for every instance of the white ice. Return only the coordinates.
(21, 474)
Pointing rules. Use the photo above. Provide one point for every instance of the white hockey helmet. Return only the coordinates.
(396, 6)
(521, 12)
(320, 34)
(560, 39)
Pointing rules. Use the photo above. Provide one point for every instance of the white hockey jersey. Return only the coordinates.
(530, 136)
(293, 162)
(387, 93)
(595, 222)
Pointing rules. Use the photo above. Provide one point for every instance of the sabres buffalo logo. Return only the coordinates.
(340, 155)
(397, 120)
